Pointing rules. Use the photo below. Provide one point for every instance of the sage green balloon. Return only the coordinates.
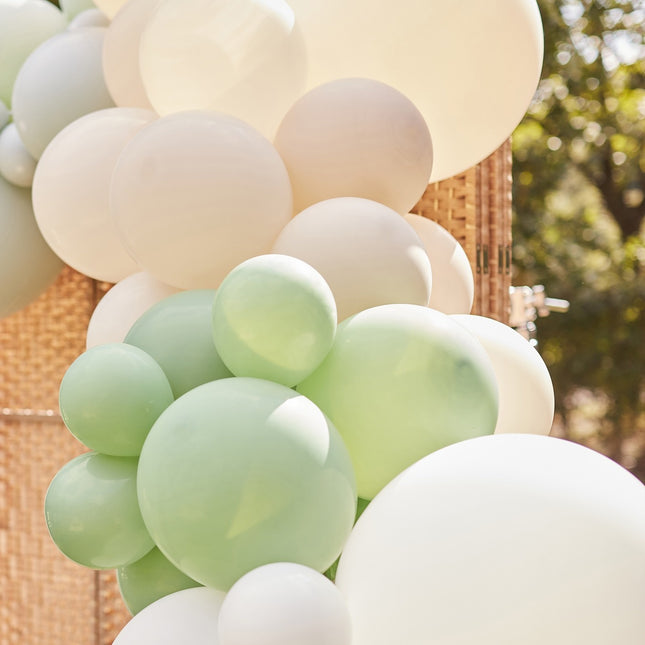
(27, 264)
(71, 8)
(400, 382)
(111, 395)
(242, 472)
(145, 581)
(177, 333)
(274, 318)
(92, 512)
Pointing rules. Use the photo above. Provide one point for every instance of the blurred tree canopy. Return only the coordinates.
(579, 188)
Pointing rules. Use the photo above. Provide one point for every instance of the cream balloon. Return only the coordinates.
(71, 192)
(501, 540)
(241, 57)
(453, 286)
(89, 18)
(366, 252)
(122, 305)
(526, 398)
(17, 166)
(356, 137)
(121, 54)
(60, 82)
(471, 67)
(71, 8)
(24, 24)
(195, 194)
(110, 7)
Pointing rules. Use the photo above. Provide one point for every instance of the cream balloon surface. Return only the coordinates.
(453, 285)
(24, 24)
(526, 398)
(366, 252)
(71, 192)
(121, 54)
(17, 166)
(497, 541)
(71, 8)
(60, 82)
(356, 138)
(89, 18)
(453, 60)
(197, 193)
(241, 57)
(122, 305)
(110, 7)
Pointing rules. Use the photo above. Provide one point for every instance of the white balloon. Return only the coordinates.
(526, 398)
(110, 7)
(122, 305)
(71, 8)
(366, 252)
(89, 18)
(501, 540)
(60, 82)
(5, 115)
(284, 604)
(187, 617)
(453, 284)
(17, 166)
(71, 192)
(470, 66)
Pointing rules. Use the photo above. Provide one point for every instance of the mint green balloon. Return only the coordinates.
(177, 333)
(111, 395)
(274, 318)
(92, 512)
(145, 581)
(400, 382)
(242, 472)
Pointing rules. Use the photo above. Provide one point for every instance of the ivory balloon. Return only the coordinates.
(471, 67)
(526, 398)
(366, 252)
(356, 137)
(110, 7)
(217, 194)
(241, 57)
(71, 8)
(501, 540)
(60, 82)
(121, 54)
(89, 18)
(17, 166)
(72, 187)
(453, 285)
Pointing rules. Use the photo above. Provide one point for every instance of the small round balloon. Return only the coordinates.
(17, 166)
(274, 317)
(89, 18)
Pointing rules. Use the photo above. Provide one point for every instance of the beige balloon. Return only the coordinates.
(17, 166)
(122, 305)
(526, 398)
(110, 7)
(368, 254)
(71, 192)
(453, 284)
(121, 54)
(195, 194)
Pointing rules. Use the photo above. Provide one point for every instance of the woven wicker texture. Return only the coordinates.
(46, 599)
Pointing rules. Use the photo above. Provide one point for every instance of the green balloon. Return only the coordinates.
(243, 472)
(92, 512)
(111, 395)
(274, 318)
(400, 382)
(145, 581)
(177, 333)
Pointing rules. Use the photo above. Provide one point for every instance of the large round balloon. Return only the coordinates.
(60, 82)
(366, 252)
(471, 67)
(242, 472)
(72, 187)
(17, 166)
(194, 194)
(241, 57)
(498, 541)
(356, 137)
(24, 255)
(400, 382)
(526, 397)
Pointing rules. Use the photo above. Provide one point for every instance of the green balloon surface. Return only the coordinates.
(242, 472)
(177, 333)
(111, 395)
(145, 581)
(274, 318)
(92, 512)
(400, 382)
